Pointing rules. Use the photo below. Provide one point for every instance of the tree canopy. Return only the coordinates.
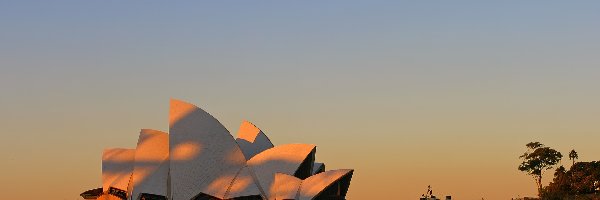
(537, 159)
(573, 156)
(583, 178)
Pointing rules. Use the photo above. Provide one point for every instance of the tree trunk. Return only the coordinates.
(538, 181)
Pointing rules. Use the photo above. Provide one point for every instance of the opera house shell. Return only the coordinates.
(199, 159)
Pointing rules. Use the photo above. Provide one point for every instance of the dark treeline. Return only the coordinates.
(581, 181)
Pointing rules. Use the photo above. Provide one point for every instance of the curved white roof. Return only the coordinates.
(204, 156)
(285, 159)
(252, 140)
(314, 185)
(244, 185)
(117, 165)
(151, 166)
(286, 186)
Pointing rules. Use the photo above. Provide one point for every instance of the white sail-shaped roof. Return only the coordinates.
(204, 157)
(286, 186)
(244, 185)
(252, 140)
(314, 185)
(151, 166)
(117, 166)
(295, 159)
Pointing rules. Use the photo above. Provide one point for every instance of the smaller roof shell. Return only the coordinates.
(151, 165)
(287, 159)
(286, 186)
(252, 140)
(314, 185)
(318, 168)
(117, 166)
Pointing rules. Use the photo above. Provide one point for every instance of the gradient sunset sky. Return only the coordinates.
(409, 94)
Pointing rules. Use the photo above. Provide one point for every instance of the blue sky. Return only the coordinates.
(476, 80)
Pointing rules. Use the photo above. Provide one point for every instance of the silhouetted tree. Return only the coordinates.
(559, 187)
(573, 156)
(537, 159)
(584, 177)
(581, 179)
(560, 171)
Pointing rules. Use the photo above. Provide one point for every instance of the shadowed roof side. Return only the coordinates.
(318, 168)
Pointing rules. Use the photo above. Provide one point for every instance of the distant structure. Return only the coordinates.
(200, 160)
(429, 195)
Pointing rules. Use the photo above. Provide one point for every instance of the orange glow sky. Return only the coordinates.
(407, 94)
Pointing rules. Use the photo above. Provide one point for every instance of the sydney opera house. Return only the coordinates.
(199, 159)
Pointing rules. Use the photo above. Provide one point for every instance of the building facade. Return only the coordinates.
(199, 159)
